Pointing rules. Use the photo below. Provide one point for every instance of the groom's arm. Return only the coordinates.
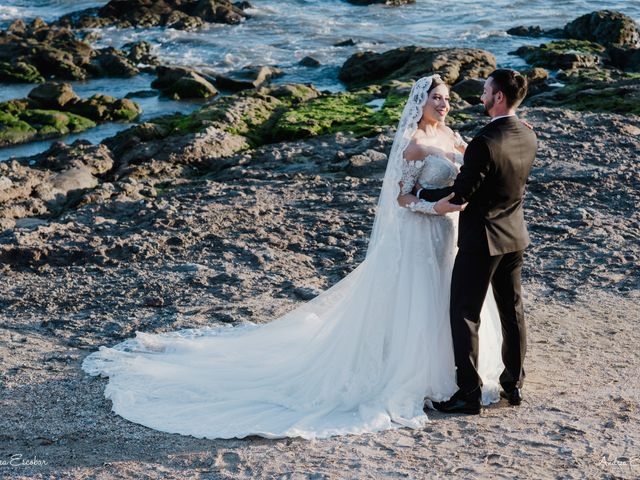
(433, 194)
(477, 163)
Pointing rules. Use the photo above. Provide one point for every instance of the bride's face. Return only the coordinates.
(437, 106)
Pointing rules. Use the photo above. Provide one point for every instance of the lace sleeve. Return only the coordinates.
(458, 141)
(410, 172)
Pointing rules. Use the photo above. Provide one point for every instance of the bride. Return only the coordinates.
(361, 357)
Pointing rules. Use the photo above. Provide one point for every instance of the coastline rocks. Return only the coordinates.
(363, 112)
(109, 62)
(564, 54)
(410, 63)
(309, 62)
(178, 14)
(53, 95)
(56, 178)
(535, 32)
(469, 90)
(35, 52)
(180, 82)
(628, 59)
(606, 27)
(248, 77)
(31, 53)
(596, 93)
(537, 80)
(53, 109)
(141, 53)
(173, 156)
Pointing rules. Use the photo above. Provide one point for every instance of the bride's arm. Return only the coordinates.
(412, 164)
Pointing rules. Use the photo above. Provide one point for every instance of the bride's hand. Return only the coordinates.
(526, 124)
(443, 205)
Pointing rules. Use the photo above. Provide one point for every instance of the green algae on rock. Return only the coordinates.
(594, 91)
(53, 110)
(341, 112)
(564, 54)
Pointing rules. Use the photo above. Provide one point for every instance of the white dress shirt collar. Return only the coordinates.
(503, 116)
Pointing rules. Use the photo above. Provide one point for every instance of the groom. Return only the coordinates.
(491, 241)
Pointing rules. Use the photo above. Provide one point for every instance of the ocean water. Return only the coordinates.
(281, 32)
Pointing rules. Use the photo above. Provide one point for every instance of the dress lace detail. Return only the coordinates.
(410, 172)
(458, 141)
(432, 172)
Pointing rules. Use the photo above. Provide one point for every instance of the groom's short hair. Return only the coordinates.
(511, 83)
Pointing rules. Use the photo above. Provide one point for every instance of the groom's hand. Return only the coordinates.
(443, 205)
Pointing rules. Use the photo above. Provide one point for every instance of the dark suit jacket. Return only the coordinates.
(492, 180)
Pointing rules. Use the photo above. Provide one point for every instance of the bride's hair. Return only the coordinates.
(435, 82)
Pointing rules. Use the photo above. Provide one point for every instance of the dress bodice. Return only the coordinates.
(434, 171)
(437, 171)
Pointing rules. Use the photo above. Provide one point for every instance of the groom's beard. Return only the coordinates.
(488, 106)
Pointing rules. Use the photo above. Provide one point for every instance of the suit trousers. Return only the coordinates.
(473, 272)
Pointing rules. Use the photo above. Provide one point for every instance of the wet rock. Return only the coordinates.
(364, 112)
(405, 63)
(216, 11)
(53, 95)
(469, 89)
(31, 53)
(309, 62)
(141, 53)
(625, 59)
(522, 31)
(564, 54)
(248, 77)
(593, 94)
(181, 21)
(179, 82)
(182, 14)
(53, 109)
(246, 115)
(19, 72)
(606, 27)
(113, 63)
(292, 92)
(536, 80)
(345, 43)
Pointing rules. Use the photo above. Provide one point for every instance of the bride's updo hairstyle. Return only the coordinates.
(436, 82)
(511, 83)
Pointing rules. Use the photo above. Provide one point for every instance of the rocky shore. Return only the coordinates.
(265, 196)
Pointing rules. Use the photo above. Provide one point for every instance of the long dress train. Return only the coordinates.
(361, 357)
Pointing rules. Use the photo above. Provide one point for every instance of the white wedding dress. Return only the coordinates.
(361, 357)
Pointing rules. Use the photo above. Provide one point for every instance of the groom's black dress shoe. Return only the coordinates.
(513, 396)
(459, 403)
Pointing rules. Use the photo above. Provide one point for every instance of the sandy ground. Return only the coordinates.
(254, 241)
(579, 419)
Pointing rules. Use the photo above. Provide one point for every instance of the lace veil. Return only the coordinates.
(386, 226)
